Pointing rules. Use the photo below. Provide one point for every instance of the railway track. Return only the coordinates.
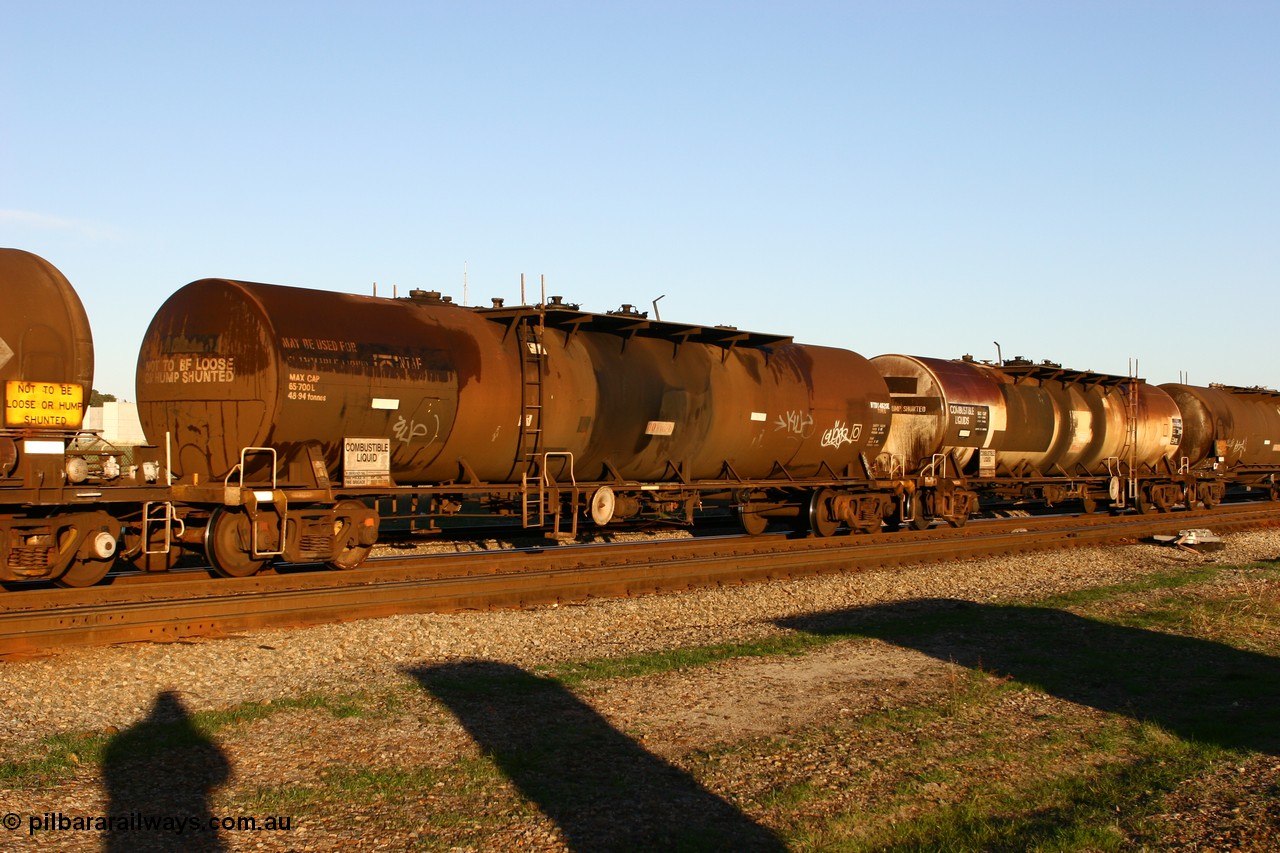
(36, 621)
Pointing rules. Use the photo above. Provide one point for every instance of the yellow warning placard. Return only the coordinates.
(51, 405)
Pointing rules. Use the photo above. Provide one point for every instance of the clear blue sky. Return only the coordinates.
(1086, 182)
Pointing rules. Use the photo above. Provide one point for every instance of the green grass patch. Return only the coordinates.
(979, 790)
(63, 754)
(460, 798)
(672, 660)
(1102, 809)
(789, 795)
(1246, 619)
(1194, 574)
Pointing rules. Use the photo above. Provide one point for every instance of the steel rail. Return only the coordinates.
(166, 612)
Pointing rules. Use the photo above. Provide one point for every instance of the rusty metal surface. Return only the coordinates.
(1228, 426)
(170, 611)
(44, 337)
(1033, 417)
(1160, 425)
(461, 392)
(226, 365)
(705, 408)
(52, 524)
(940, 406)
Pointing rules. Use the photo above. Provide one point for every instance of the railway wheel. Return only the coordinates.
(1142, 502)
(1089, 504)
(915, 514)
(603, 505)
(87, 570)
(83, 573)
(752, 520)
(228, 544)
(821, 521)
(1211, 495)
(348, 516)
(903, 512)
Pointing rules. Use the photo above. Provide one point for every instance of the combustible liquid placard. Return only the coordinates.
(51, 405)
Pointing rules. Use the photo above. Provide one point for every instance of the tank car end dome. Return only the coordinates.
(44, 330)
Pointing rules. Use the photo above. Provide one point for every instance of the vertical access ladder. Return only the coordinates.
(532, 362)
(1131, 432)
(539, 493)
(1124, 483)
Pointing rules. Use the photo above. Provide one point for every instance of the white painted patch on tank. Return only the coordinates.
(1081, 431)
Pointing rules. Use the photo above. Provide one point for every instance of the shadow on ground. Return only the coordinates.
(1197, 689)
(160, 775)
(602, 789)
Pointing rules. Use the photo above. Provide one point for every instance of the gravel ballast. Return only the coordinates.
(97, 688)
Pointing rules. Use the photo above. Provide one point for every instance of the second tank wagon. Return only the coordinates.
(1030, 431)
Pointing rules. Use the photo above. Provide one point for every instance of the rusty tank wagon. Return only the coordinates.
(1230, 436)
(301, 404)
(1040, 433)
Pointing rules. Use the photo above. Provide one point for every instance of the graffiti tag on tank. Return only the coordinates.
(799, 423)
(409, 432)
(841, 434)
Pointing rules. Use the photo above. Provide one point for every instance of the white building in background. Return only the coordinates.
(118, 422)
